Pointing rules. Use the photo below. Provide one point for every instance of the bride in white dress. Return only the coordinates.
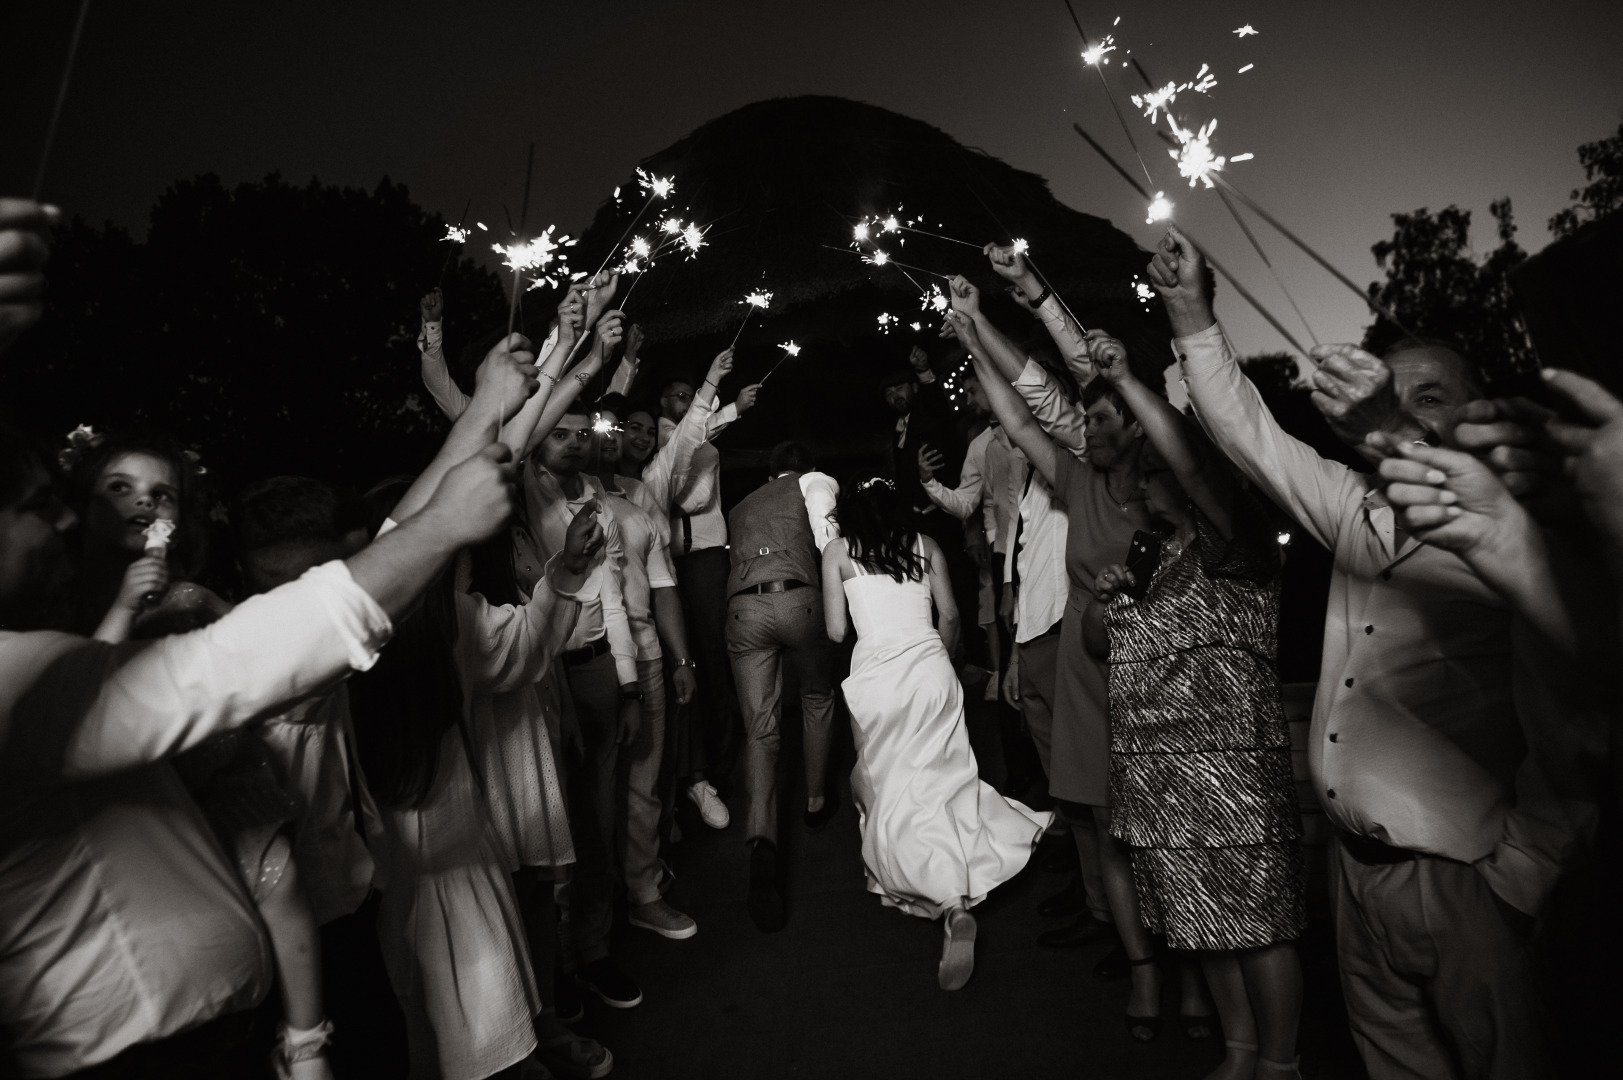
(935, 838)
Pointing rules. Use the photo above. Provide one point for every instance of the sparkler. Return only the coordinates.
(1097, 64)
(789, 349)
(657, 187)
(760, 299)
(61, 96)
(1160, 208)
(536, 254)
(1195, 157)
(1245, 293)
(1245, 31)
(455, 234)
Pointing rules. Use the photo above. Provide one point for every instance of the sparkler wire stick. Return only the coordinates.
(938, 236)
(523, 213)
(1374, 304)
(1291, 300)
(888, 261)
(1110, 95)
(789, 349)
(1245, 293)
(1027, 253)
(61, 96)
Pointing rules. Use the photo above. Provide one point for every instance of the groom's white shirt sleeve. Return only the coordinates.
(820, 491)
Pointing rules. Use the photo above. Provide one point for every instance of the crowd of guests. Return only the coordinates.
(433, 738)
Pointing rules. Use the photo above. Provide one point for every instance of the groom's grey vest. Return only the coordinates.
(771, 538)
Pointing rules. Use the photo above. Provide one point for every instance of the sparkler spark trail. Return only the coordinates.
(1160, 209)
(789, 349)
(888, 322)
(455, 235)
(1245, 31)
(759, 299)
(1245, 69)
(1195, 158)
(1107, 45)
(1095, 53)
(657, 187)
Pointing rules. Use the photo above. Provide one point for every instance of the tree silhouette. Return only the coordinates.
(271, 326)
(1603, 195)
(1438, 288)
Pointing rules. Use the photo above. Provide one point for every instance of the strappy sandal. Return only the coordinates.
(1279, 1070)
(1197, 1027)
(1144, 1029)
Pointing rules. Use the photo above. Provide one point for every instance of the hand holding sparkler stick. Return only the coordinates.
(1179, 274)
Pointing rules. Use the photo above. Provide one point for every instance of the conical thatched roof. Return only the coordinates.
(775, 181)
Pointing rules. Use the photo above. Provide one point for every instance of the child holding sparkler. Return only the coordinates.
(143, 526)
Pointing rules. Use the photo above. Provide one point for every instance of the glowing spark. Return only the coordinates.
(860, 232)
(1241, 157)
(879, 258)
(659, 187)
(1021, 247)
(1144, 291)
(640, 247)
(602, 425)
(1283, 538)
(1156, 100)
(936, 299)
(693, 239)
(1093, 54)
(916, 326)
(455, 235)
(481, 226)
(758, 299)
(891, 224)
(887, 321)
(1245, 69)
(1196, 160)
(1160, 209)
(616, 193)
(1245, 31)
(671, 226)
(789, 348)
(1117, 22)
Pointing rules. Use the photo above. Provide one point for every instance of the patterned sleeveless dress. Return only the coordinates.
(1200, 766)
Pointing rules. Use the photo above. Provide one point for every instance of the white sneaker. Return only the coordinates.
(711, 809)
(663, 920)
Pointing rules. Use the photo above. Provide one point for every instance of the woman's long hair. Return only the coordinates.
(879, 531)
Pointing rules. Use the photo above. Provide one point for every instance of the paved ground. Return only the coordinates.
(849, 990)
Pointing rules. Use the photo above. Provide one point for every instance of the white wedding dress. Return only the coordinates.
(934, 835)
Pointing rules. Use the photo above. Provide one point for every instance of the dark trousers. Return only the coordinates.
(369, 1029)
(238, 1044)
(1437, 971)
(709, 729)
(594, 690)
(761, 628)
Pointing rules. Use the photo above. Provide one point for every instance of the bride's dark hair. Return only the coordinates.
(879, 530)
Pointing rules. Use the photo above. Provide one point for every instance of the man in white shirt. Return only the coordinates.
(775, 607)
(1431, 744)
(699, 546)
(121, 923)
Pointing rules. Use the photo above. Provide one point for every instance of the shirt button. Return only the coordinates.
(1349, 682)
(1369, 629)
(1330, 792)
(1335, 737)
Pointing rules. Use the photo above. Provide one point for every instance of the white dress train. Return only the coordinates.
(934, 835)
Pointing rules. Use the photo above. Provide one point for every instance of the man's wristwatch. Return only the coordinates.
(687, 664)
(631, 693)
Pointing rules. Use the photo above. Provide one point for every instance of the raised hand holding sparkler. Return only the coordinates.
(1179, 274)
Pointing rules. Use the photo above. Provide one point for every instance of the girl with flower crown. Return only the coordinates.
(144, 534)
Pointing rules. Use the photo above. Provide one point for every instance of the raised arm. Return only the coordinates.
(1068, 336)
(1164, 428)
(668, 467)
(505, 380)
(569, 389)
(1312, 490)
(626, 374)
(520, 434)
(430, 343)
(961, 502)
(1007, 406)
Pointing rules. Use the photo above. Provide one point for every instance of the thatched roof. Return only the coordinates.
(776, 180)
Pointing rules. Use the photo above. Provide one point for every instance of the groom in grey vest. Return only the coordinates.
(774, 607)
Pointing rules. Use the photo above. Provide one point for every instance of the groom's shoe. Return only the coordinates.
(765, 901)
(817, 820)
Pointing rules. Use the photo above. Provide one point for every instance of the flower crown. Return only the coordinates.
(84, 438)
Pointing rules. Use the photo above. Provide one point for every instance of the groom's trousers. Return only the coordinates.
(761, 628)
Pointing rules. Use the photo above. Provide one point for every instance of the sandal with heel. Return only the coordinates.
(1144, 1029)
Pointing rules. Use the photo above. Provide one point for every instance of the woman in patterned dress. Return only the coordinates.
(1200, 769)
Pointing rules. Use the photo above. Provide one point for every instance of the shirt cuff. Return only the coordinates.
(926, 377)
(1032, 375)
(361, 623)
(1210, 336)
(564, 584)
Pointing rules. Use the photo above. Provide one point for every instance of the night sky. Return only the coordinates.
(1353, 110)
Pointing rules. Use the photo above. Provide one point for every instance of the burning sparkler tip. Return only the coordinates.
(1245, 31)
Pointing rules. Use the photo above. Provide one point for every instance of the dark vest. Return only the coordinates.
(770, 537)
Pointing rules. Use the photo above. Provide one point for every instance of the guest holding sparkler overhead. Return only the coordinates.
(431, 344)
(1204, 796)
(699, 544)
(1437, 748)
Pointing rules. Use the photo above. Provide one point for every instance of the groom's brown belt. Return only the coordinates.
(786, 585)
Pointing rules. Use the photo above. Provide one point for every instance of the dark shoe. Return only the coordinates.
(1142, 1028)
(566, 1000)
(818, 821)
(1198, 1027)
(1069, 901)
(1084, 931)
(613, 986)
(1114, 964)
(765, 901)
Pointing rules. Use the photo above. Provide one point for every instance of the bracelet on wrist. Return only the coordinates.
(1042, 296)
(687, 664)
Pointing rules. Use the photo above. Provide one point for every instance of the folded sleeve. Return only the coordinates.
(76, 708)
(510, 645)
(436, 375)
(821, 491)
(1062, 420)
